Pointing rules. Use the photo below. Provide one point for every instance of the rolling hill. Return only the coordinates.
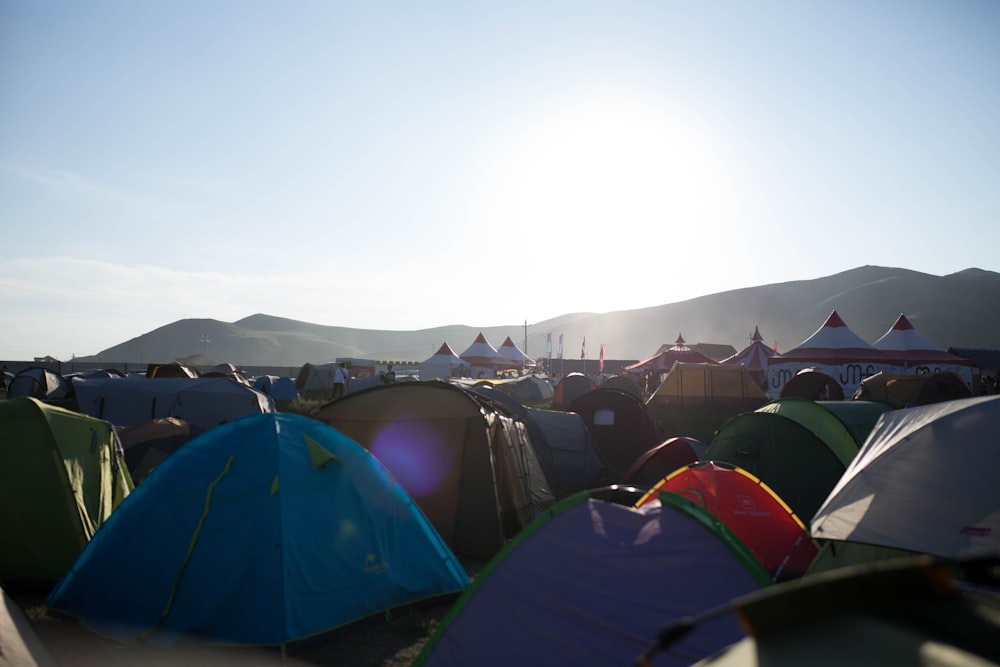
(957, 310)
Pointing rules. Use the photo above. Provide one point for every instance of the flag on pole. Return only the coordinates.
(583, 348)
(559, 350)
(548, 345)
(600, 363)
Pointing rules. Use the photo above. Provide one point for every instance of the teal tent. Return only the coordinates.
(264, 531)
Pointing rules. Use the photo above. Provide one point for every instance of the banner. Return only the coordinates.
(559, 350)
(600, 363)
(548, 345)
(583, 348)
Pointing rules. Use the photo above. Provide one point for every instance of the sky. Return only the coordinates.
(407, 165)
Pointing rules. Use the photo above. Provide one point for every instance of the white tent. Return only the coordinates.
(511, 352)
(483, 359)
(924, 481)
(919, 355)
(443, 364)
(835, 350)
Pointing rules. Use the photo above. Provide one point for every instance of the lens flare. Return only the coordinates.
(416, 453)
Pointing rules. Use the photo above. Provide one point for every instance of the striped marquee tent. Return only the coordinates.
(919, 355)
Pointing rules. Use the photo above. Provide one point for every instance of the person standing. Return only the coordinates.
(341, 376)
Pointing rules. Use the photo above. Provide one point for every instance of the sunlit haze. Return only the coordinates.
(401, 166)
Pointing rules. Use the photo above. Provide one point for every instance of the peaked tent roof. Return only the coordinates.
(663, 361)
(902, 339)
(266, 530)
(483, 355)
(835, 343)
(441, 364)
(508, 350)
(753, 357)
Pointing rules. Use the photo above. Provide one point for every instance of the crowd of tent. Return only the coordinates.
(702, 522)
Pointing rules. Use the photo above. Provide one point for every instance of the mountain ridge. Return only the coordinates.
(961, 309)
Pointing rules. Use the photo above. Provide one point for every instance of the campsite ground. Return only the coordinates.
(380, 643)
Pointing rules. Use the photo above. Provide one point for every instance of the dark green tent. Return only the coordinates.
(799, 448)
(904, 612)
(61, 475)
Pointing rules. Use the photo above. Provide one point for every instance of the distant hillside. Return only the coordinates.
(958, 310)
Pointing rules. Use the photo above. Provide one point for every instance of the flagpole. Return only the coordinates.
(525, 346)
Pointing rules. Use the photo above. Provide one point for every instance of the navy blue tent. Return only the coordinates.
(591, 582)
(263, 531)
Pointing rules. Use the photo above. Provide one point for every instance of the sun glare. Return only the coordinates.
(624, 167)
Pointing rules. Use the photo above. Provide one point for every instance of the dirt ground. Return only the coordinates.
(378, 643)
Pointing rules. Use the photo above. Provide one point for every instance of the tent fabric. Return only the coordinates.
(569, 388)
(623, 381)
(924, 481)
(315, 381)
(148, 443)
(663, 459)
(20, 645)
(203, 402)
(829, 419)
(903, 390)
(527, 388)
(265, 531)
(61, 476)
(513, 354)
(621, 425)
(567, 452)
(695, 399)
(754, 357)
(749, 508)
(799, 448)
(813, 385)
(229, 371)
(278, 387)
(920, 355)
(664, 360)
(39, 382)
(833, 349)
(472, 470)
(173, 369)
(905, 612)
(592, 581)
(443, 364)
(483, 359)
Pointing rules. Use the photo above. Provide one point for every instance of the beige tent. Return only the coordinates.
(695, 399)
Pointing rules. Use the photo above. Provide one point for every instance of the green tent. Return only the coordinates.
(800, 448)
(61, 475)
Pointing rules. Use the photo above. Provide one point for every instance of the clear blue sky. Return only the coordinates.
(404, 165)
